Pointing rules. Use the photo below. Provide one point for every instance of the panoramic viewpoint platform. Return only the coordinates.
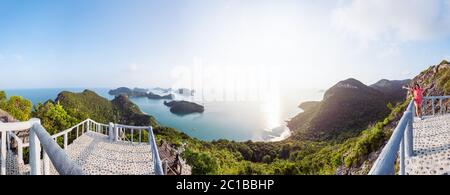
(419, 146)
(97, 155)
(431, 146)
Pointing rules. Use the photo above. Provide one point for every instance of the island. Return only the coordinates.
(184, 107)
(138, 92)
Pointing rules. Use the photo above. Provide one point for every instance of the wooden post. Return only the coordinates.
(164, 166)
(3, 154)
(88, 126)
(440, 106)
(77, 130)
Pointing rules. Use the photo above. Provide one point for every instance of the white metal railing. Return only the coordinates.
(116, 132)
(37, 136)
(401, 139)
(120, 134)
(436, 101)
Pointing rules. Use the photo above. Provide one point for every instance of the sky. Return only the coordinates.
(148, 43)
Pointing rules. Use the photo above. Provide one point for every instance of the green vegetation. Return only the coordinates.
(53, 117)
(443, 78)
(291, 156)
(17, 106)
(444, 62)
(90, 105)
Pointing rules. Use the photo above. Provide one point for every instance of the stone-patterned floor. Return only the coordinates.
(98, 156)
(431, 147)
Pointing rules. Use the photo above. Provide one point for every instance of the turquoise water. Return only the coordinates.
(231, 120)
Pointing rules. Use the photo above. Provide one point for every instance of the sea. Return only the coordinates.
(231, 120)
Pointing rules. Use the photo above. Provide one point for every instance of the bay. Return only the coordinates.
(232, 120)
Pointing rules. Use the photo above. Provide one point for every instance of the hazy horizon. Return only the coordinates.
(289, 44)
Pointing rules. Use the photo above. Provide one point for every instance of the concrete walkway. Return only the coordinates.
(98, 156)
(431, 147)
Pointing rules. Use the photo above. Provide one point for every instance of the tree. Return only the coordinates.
(17, 106)
(2, 96)
(53, 117)
(202, 163)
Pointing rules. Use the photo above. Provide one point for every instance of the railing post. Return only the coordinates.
(35, 152)
(432, 103)
(88, 126)
(440, 106)
(20, 151)
(132, 135)
(402, 157)
(46, 162)
(409, 135)
(3, 153)
(8, 141)
(140, 132)
(77, 130)
(65, 141)
(422, 107)
(111, 132)
(116, 132)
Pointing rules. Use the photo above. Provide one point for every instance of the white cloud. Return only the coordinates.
(132, 68)
(395, 21)
(18, 57)
(390, 50)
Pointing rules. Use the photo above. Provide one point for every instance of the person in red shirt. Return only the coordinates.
(417, 93)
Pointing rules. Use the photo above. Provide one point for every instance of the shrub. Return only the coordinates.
(201, 162)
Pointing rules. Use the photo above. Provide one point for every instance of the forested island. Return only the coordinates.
(184, 107)
(136, 92)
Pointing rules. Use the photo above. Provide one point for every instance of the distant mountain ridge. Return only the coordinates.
(347, 108)
(392, 89)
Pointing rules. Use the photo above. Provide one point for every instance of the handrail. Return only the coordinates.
(39, 136)
(433, 99)
(17, 126)
(59, 158)
(401, 139)
(156, 160)
(132, 127)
